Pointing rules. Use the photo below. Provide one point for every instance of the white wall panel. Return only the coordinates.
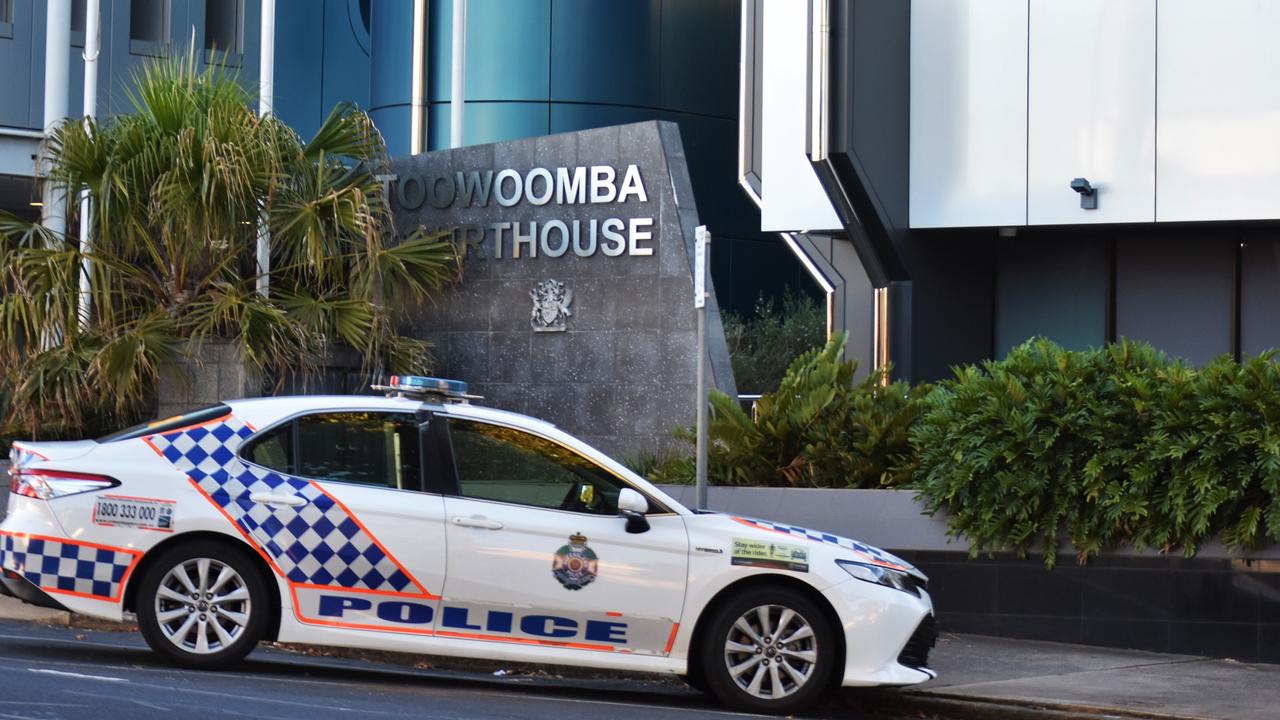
(791, 196)
(968, 112)
(1092, 110)
(1219, 110)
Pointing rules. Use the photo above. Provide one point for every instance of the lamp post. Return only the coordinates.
(266, 97)
(91, 49)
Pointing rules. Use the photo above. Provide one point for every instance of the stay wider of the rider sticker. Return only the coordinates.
(760, 553)
(143, 513)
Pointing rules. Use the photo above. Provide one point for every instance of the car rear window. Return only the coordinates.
(195, 417)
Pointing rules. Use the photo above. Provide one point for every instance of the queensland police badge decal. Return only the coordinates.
(575, 564)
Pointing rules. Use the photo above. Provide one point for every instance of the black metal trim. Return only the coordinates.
(915, 654)
(15, 585)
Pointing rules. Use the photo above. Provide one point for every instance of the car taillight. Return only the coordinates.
(48, 484)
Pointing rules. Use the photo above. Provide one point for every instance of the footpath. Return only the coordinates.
(988, 677)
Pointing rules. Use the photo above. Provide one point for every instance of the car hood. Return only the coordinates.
(853, 549)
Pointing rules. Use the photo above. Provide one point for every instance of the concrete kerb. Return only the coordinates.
(952, 707)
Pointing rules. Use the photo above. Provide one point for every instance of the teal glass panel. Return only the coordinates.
(1052, 286)
(508, 50)
(569, 117)
(394, 123)
(606, 52)
(488, 122)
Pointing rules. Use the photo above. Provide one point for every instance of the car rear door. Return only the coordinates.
(537, 553)
(355, 531)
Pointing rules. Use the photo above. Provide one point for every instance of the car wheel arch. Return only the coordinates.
(269, 578)
(751, 583)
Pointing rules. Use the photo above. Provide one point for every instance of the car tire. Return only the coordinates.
(203, 605)
(770, 650)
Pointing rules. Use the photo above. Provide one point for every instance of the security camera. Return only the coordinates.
(1088, 193)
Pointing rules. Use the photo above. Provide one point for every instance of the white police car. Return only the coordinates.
(421, 523)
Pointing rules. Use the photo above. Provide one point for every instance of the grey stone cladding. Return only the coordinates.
(621, 374)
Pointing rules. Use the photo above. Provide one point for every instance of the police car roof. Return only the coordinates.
(284, 406)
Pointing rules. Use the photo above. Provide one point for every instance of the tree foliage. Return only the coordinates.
(178, 190)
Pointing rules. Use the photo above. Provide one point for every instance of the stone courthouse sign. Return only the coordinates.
(576, 300)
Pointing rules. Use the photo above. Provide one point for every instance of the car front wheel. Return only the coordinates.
(769, 650)
(202, 605)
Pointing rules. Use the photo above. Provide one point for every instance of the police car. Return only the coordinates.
(419, 522)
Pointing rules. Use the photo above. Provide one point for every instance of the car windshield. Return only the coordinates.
(195, 417)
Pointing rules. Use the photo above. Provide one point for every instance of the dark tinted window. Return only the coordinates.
(170, 423)
(222, 25)
(369, 448)
(6, 11)
(507, 465)
(273, 449)
(149, 20)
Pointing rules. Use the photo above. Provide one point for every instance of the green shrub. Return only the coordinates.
(1111, 446)
(762, 346)
(818, 429)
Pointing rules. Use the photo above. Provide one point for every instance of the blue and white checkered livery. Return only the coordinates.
(317, 543)
(874, 554)
(63, 566)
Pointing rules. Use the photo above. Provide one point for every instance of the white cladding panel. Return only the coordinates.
(791, 196)
(1219, 110)
(1092, 110)
(968, 112)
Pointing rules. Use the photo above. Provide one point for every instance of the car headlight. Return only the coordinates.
(880, 575)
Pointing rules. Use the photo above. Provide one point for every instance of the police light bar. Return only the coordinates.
(419, 386)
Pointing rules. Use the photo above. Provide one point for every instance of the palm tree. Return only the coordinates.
(178, 189)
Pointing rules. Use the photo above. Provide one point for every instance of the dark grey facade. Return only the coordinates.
(619, 368)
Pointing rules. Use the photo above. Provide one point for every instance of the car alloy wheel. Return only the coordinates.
(203, 606)
(771, 652)
(769, 649)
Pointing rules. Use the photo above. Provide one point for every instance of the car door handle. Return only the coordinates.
(274, 499)
(476, 521)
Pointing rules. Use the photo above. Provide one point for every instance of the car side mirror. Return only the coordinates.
(632, 506)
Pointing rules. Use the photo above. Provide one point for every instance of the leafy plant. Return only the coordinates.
(762, 346)
(178, 189)
(1111, 446)
(818, 429)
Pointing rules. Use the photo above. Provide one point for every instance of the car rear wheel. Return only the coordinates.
(203, 605)
(769, 650)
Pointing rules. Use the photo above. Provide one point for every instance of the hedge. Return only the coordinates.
(1097, 448)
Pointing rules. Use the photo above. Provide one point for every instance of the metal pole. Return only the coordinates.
(457, 94)
(57, 52)
(702, 248)
(266, 97)
(91, 48)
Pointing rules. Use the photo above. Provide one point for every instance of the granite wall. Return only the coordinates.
(619, 369)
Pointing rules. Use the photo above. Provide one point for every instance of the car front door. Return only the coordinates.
(538, 553)
(352, 527)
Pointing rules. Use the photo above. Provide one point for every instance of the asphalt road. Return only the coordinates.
(72, 674)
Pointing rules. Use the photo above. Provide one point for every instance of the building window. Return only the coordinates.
(148, 26)
(6, 18)
(224, 27)
(77, 22)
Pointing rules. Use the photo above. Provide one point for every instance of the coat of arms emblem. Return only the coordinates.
(551, 300)
(575, 564)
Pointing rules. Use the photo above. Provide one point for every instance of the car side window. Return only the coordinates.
(507, 465)
(366, 448)
(273, 449)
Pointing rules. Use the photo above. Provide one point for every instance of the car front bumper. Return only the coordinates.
(887, 634)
